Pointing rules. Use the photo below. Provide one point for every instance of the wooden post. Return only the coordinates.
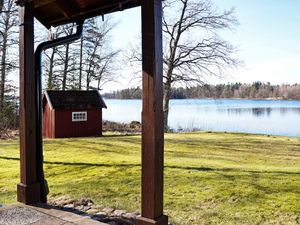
(29, 188)
(152, 115)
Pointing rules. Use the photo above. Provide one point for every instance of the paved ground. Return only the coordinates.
(41, 215)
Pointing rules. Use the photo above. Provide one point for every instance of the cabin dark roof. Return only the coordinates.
(58, 12)
(78, 100)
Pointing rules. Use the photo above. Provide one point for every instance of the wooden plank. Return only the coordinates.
(68, 8)
(65, 127)
(152, 115)
(39, 3)
(64, 12)
(29, 188)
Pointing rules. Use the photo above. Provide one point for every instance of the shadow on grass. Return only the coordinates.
(167, 166)
(121, 135)
(112, 135)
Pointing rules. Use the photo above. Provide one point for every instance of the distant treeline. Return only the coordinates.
(257, 90)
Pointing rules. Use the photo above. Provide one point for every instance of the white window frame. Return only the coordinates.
(79, 116)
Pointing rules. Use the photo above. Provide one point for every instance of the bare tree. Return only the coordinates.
(57, 61)
(8, 65)
(8, 25)
(67, 55)
(98, 59)
(87, 63)
(66, 60)
(193, 50)
(80, 63)
(49, 65)
(51, 62)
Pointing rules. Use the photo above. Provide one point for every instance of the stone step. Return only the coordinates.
(41, 214)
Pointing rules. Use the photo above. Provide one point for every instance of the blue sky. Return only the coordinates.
(268, 39)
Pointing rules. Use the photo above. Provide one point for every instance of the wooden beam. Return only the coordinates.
(85, 13)
(29, 188)
(152, 115)
(38, 3)
(68, 8)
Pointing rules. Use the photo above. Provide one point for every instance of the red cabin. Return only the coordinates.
(72, 114)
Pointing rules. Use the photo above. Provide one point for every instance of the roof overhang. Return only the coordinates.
(59, 12)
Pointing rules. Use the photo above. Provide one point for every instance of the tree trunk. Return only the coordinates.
(166, 100)
(99, 80)
(88, 77)
(65, 73)
(87, 82)
(3, 72)
(3, 62)
(88, 74)
(80, 63)
(50, 75)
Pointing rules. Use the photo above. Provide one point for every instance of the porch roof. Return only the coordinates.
(59, 12)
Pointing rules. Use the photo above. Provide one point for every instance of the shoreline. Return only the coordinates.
(249, 99)
(121, 132)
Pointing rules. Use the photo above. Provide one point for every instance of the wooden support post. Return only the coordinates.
(152, 115)
(29, 188)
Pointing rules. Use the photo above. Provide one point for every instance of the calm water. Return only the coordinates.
(250, 116)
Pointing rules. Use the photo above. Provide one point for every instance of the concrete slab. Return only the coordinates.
(19, 215)
(41, 215)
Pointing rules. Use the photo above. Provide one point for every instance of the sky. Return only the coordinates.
(267, 40)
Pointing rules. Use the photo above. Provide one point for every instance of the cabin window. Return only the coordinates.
(79, 116)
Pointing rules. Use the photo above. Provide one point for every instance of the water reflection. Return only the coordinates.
(251, 116)
(257, 112)
(260, 112)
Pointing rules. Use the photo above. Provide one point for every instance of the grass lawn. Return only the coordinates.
(210, 178)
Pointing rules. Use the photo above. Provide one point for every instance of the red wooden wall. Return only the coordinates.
(59, 124)
(48, 121)
(64, 127)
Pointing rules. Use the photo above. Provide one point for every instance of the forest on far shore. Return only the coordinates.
(256, 90)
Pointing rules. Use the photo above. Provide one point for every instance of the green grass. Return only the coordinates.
(210, 178)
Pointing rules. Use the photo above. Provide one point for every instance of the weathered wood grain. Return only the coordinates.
(29, 188)
(152, 115)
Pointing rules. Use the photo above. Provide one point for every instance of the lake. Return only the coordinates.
(231, 115)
